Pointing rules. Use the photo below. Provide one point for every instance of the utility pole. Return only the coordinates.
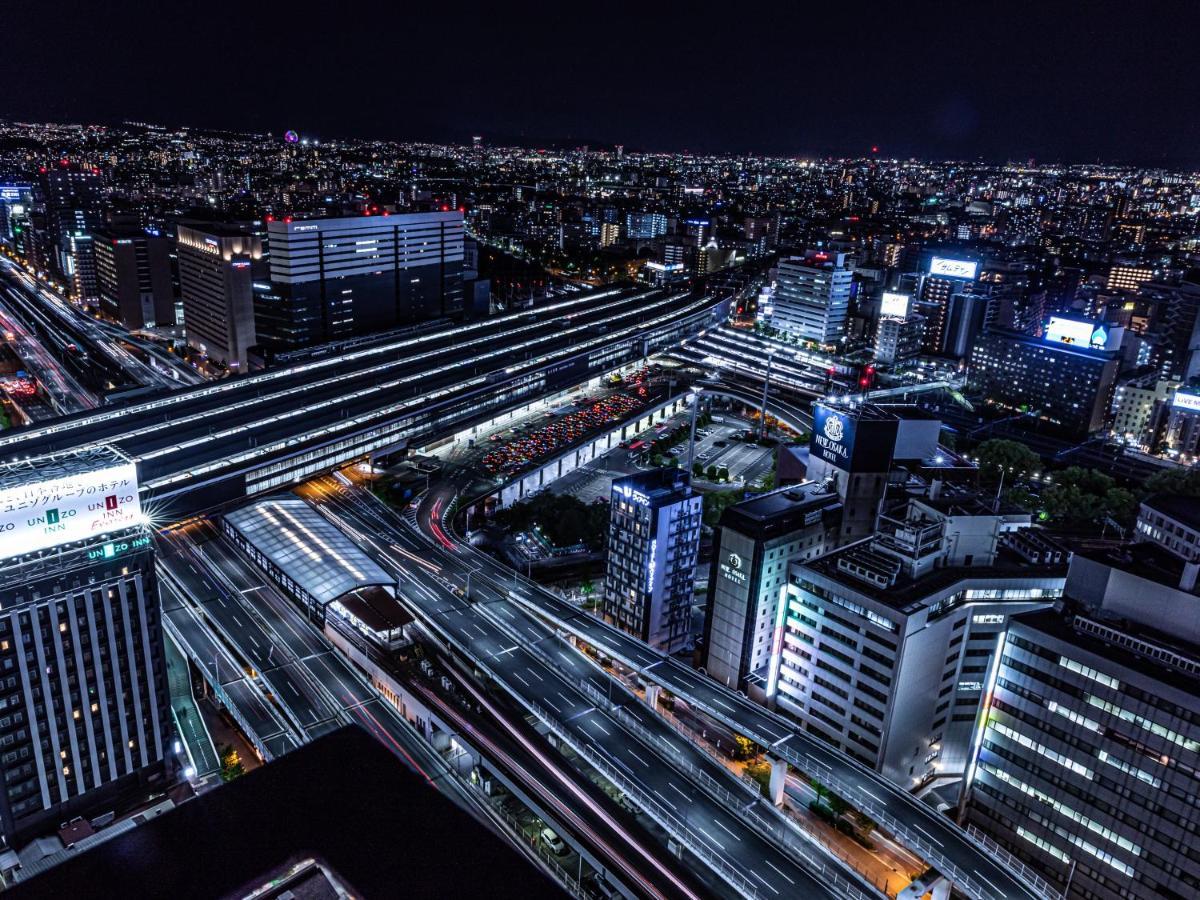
(691, 457)
(762, 429)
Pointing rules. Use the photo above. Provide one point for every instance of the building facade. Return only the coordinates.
(812, 297)
(133, 272)
(754, 543)
(217, 265)
(84, 702)
(887, 641)
(332, 279)
(1070, 386)
(653, 543)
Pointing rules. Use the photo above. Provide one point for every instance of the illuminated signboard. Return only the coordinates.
(652, 566)
(290, 137)
(1190, 402)
(894, 305)
(953, 268)
(732, 569)
(42, 514)
(841, 440)
(1074, 331)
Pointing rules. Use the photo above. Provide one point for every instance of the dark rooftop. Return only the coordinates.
(1060, 623)
(906, 592)
(344, 799)
(778, 511)
(1181, 509)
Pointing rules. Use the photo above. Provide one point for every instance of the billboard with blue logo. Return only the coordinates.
(852, 443)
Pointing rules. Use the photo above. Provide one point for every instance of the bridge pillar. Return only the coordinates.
(930, 882)
(652, 692)
(779, 769)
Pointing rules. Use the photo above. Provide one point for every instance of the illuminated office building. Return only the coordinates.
(333, 279)
(1067, 378)
(1127, 278)
(84, 703)
(1085, 766)
(754, 543)
(653, 542)
(887, 641)
(217, 267)
(133, 271)
(812, 297)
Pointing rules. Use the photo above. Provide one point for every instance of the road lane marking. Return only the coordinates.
(520, 679)
(927, 834)
(764, 881)
(781, 874)
(726, 830)
(671, 785)
(700, 828)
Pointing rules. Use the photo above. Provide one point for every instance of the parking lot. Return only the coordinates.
(513, 450)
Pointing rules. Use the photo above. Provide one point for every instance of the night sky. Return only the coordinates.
(1078, 81)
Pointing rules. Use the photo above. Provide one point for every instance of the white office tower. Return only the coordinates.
(812, 297)
(1088, 754)
(887, 641)
(84, 702)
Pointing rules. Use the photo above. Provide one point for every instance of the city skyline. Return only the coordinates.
(1015, 82)
(719, 450)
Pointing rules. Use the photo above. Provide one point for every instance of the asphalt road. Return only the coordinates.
(915, 824)
(503, 638)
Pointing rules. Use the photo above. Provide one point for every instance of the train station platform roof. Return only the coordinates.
(308, 549)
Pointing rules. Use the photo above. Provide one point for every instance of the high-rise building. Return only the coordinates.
(966, 316)
(84, 704)
(887, 640)
(898, 338)
(1183, 425)
(1085, 755)
(754, 543)
(76, 260)
(1066, 378)
(1136, 408)
(71, 204)
(610, 233)
(645, 226)
(15, 202)
(1127, 278)
(945, 277)
(133, 272)
(653, 543)
(854, 448)
(333, 279)
(812, 296)
(217, 265)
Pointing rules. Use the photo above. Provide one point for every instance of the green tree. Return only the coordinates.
(697, 470)
(231, 764)
(722, 474)
(743, 748)
(1000, 455)
(1178, 482)
(715, 503)
(711, 472)
(1082, 497)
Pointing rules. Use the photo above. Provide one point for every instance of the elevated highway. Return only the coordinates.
(973, 869)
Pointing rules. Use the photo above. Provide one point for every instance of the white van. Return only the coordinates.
(553, 842)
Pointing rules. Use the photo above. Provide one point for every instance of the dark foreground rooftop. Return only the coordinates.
(343, 800)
